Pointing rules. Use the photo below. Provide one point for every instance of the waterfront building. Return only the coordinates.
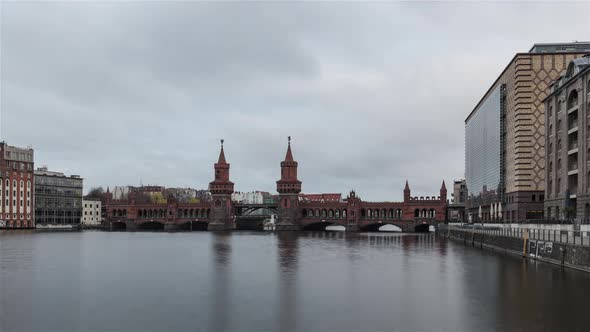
(91, 211)
(16, 187)
(253, 197)
(567, 194)
(504, 136)
(456, 208)
(58, 198)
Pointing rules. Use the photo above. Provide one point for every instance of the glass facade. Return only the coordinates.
(58, 199)
(483, 150)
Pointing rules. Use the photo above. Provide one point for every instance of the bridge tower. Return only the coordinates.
(407, 193)
(289, 188)
(222, 212)
(443, 192)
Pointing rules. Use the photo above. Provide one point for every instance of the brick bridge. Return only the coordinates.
(295, 211)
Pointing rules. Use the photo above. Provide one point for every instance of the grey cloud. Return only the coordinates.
(373, 94)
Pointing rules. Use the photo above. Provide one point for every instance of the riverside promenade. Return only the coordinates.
(562, 246)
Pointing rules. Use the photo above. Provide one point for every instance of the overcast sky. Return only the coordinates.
(372, 94)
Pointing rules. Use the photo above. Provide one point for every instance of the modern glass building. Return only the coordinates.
(58, 198)
(483, 151)
(505, 136)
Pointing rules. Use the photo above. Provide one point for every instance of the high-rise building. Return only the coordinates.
(505, 136)
(58, 198)
(16, 187)
(567, 191)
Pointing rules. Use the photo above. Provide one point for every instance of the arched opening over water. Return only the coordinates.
(118, 226)
(151, 226)
(381, 228)
(422, 228)
(318, 226)
(250, 224)
(390, 228)
(196, 226)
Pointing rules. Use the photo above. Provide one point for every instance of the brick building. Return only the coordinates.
(16, 187)
(567, 193)
(505, 136)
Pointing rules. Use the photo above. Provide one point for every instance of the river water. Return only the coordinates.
(254, 281)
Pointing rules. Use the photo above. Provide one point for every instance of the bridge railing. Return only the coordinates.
(565, 235)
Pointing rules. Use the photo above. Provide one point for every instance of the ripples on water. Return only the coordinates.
(249, 281)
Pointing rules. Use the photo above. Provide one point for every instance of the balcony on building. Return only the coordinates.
(573, 109)
(572, 123)
(572, 163)
(573, 186)
(572, 146)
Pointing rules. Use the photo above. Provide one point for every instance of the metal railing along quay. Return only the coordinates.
(536, 234)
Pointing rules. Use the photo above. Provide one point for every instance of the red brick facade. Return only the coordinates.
(17, 188)
(295, 211)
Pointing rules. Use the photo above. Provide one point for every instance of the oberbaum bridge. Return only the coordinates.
(414, 214)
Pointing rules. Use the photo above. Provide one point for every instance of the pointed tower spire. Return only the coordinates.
(289, 156)
(221, 155)
(443, 192)
(407, 192)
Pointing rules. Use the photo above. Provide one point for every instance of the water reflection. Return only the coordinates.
(287, 248)
(221, 281)
(312, 281)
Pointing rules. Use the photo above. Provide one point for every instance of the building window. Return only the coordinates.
(572, 100)
(533, 198)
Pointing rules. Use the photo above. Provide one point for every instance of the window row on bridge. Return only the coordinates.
(324, 213)
(424, 213)
(382, 213)
(193, 213)
(163, 213)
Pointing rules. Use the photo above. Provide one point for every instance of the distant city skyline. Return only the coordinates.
(372, 94)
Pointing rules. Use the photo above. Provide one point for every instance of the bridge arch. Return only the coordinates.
(381, 227)
(118, 226)
(319, 225)
(151, 226)
(193, 225)
(422, 228)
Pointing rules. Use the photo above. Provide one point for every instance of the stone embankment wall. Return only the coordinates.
(565, 254)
